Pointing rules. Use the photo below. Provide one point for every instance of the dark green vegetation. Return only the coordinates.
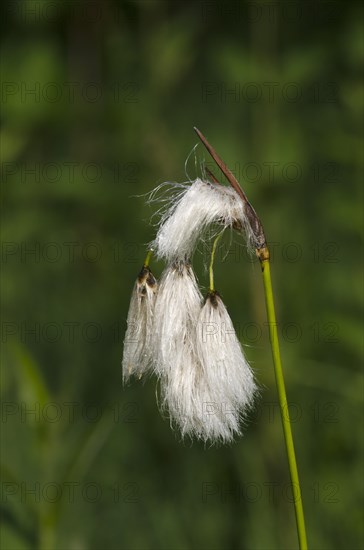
(99, 101)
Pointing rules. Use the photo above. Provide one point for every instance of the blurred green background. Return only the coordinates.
(99, 100)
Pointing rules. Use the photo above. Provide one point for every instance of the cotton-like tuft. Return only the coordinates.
(224, 366)
(137, 342)
(177, 309)
(192, 211)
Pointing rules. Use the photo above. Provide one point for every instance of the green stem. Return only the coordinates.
(300, 519)
(211, 270)
(147, 259)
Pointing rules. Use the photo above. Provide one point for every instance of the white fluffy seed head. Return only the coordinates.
(192, 211)
(225, 369)
(177, 309)
(137, 342)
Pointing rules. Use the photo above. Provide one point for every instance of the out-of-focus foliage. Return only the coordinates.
(98, 103)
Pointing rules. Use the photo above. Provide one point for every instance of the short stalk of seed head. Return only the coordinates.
(211, 268)
(263, 255)
(148, 257)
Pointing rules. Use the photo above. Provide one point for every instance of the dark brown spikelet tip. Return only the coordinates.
(146, 277)
(180, 266)
(212, 295)
(143, 275)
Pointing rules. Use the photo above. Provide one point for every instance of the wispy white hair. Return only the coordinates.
(137, 342)
(194, 207)
(177, 309)
(224, 366)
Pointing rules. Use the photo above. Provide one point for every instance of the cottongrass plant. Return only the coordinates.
(207, 385)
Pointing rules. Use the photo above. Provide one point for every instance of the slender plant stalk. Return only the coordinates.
(300, 519)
